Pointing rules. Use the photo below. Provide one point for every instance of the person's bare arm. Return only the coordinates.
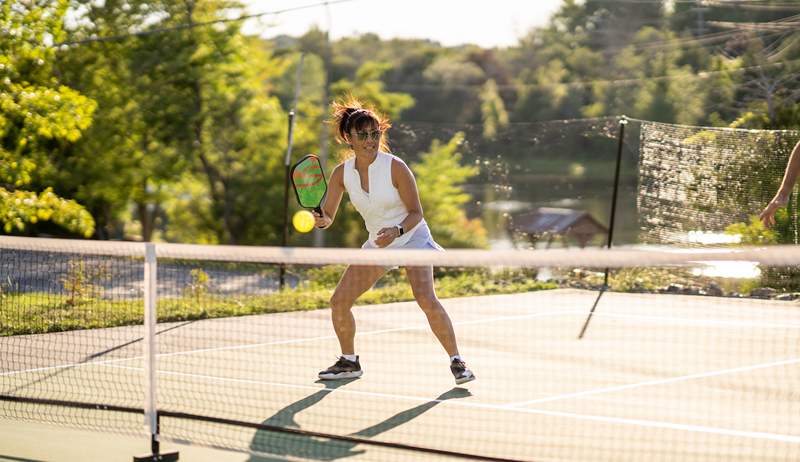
(782, 196)
(330, 205)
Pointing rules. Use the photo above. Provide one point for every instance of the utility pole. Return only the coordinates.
(700, 27)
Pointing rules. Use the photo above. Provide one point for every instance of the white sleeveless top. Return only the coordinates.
(381, 207)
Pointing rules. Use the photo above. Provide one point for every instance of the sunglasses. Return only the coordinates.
(374, 134)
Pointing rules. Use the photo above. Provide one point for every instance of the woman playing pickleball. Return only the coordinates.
(382, 189)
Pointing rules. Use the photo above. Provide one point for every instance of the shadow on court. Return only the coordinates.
(88, 359)
(4, 458)
(316, 448)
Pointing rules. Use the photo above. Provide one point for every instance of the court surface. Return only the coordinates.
(666, 377)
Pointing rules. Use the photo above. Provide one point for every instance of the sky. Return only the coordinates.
(488, 23)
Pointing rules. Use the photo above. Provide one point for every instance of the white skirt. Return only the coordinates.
(421, 239)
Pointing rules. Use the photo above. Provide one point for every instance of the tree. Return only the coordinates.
(440, 179)
(207, 103)
(456, 80)
(40, 119)
(493, 111)
(123, 166)
(369, 89)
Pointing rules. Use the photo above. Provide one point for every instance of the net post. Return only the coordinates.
(150, 278)
(623, 121)
(151, 418)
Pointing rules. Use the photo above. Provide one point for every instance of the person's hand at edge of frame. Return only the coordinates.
(767, 215)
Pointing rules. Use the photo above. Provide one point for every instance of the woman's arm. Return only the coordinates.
(403, 180)
(782, 196)
(330, 205)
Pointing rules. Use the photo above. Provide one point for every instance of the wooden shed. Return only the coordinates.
(556, 223)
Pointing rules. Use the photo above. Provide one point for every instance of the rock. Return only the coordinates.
(714, 290)
(788, 297)
(674, 288)
(763, 292)
(580, 273)
(692, 290)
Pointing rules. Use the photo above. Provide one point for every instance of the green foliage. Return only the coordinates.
(493, 110)
(33, 313)
(368, 88)
(180, 135)
(188, 208)
(198, 286)
(783, 278)
(324, 277)
(440, 179)
(82, 282)
(654, 280)
(120, 168)
(753, 178)
(189, 139)
(19, 209)
(39, 120)
(754, 233)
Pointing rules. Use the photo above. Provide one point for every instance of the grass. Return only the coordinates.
(658, 280)
(36, 313)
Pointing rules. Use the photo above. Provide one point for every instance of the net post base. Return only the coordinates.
(167, 457)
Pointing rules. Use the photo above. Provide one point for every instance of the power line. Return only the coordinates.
(704, 74)
(753, 5)
(757, 26)
(196, 24)
(703, 39)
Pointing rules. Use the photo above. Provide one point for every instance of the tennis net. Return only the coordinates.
(678, 362)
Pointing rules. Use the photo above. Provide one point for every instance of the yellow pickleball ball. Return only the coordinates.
(303, 221)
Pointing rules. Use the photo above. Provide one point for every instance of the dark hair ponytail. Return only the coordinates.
(353, 115)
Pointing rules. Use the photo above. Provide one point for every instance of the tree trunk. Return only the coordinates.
(147, 219)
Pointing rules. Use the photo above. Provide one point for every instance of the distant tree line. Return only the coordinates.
(156, 119)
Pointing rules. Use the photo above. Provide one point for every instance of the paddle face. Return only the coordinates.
(308, 181)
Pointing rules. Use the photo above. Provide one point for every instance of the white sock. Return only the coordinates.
(350, 357)
(455, 358)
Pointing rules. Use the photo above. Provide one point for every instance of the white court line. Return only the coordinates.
(383, 331)
(374, 332)
(794, 439)
(598, 391)
(66, 366)
(703, 322)
(290, 341)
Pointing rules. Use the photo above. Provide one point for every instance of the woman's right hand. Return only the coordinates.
(321, 220)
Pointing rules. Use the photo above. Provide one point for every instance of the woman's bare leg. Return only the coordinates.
(421, 280)
(355, 281)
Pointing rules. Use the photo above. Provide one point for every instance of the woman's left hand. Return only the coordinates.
(386, 236)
